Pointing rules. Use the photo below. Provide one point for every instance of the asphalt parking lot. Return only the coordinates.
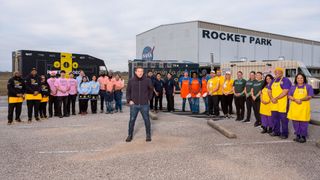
(183, 147)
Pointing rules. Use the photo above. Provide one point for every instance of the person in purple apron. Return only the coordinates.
(278, 91)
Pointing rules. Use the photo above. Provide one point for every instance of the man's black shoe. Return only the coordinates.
(270, 130)
(297, 138)
(148, 139)
(37, 119)
(129, 139)
(264, 130)
(18, 120)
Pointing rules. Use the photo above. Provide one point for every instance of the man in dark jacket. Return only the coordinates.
(33, 95)
(139, 93)
(170, 88)
(16, 90)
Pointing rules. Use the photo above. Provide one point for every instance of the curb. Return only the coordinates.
(222, 130)
(315, 122)
(153, 116)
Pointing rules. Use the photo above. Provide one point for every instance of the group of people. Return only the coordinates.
(60, 93)
(274, 100)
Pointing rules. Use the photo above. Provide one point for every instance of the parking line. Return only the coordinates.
(258, 143)
(69, 152)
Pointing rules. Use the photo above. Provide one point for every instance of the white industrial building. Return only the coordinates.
(199, 42)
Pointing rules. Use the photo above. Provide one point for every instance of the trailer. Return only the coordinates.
(291, 68)
(176, 68)
(45, 62)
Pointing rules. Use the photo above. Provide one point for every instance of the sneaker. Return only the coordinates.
(37, 119)
(41, 117)
(270, 130)
(148, 139)
(129, 139)
(284, 137)
(302, 139)
(29, 120)
(18, 120)
(264, 130)
(297, 138)
(256, 124)
(246, 121)
(274, 134)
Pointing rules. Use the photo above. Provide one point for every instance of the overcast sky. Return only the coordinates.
(107, 29)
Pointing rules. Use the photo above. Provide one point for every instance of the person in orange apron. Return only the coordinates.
(33, 95)
(299, 109)
(204, 90)
(278, 91)
(45, 92)
(16, 88)
(184, 84)
(265, 106)
(195, 91)
(227, 97)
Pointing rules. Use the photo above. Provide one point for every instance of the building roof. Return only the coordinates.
(226, 28)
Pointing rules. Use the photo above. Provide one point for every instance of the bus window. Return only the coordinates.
(291, 72)
(304, 71)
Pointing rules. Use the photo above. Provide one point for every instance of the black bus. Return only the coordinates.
(44, 62)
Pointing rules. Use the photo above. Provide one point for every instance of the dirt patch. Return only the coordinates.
(137, 146)
(62, 131)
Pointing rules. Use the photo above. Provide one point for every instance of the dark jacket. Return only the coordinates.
(32, 84)
(169, 85)
(15, 86)
(45, 89)
(158, 85)
(139, 90)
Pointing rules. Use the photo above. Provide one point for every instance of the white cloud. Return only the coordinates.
(107, 29)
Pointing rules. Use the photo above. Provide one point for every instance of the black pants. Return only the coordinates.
(151, 102)
(249, 104)
(102, 94)
(83, 103)
(220, 101)
(240, 108)
(170, 102)
(52, 105)
(216, 109)
(71, 106)
(33, 105)
(11, 108)
(62, 100)
(227, 104)
(43, 109)
(256, 109)
(93, 102)
(158, 100)
(210, 104)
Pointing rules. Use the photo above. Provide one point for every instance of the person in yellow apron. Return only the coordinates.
(265, 106)
(213, 99)
(227, 98)
(16, 88)
(299, 109)
(45, 93)
(220, 93)
(184, 84)
(33, 95)
(278, 91)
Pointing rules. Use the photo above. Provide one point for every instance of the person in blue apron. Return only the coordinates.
(299, 110)
(278, 91)
(84, 90)
(95, 88)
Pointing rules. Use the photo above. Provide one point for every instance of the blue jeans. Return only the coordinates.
(195, 105)
(144, 110)
(184, 103)
(109, 101)
(205, 99)
(118, 100)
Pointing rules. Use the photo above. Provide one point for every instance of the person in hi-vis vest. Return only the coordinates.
(184, 84)
(278, 91)
(299, 110)
(16, 88)
(45, 92)
(265, 106)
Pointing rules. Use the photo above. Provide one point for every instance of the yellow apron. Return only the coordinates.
(33, 97)
(45, 99)
(300, 112)
(265, 109)
(281, 105)
(12, 100)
